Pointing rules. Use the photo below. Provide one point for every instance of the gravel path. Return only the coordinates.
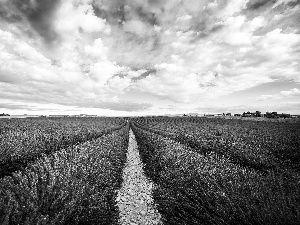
(135, 197)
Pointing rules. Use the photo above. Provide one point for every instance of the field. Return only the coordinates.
(204, 170)
(216, 171)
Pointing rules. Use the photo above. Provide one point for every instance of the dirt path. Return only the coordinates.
(135, 197)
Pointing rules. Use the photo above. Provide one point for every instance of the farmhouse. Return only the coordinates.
(193, 114)
(58, 116)
(219, 115)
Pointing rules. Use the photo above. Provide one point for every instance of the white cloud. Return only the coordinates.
(118, 85)
(97, 50)
(79, 69)
(183, 22)
(239, 31)
(137, 73)
(233, 7)
(22, 62)
(277, 37)
(211, 69)
(178, 83)
(184, 18)
(292, 92)
(278, 16)
(101, 72)
(169, 51)
(70, 19)
(283, 94)
(212, 5)
(138, 28)
(19, 48)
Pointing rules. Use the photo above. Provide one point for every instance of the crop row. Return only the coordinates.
(237, 155)
(193, 188)
(262, 146)
(76, 185)
(25, 140)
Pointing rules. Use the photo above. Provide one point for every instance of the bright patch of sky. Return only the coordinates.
(146, 57)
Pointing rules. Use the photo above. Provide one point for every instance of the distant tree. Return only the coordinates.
(257, 114)
(271, 115)
(284, 115)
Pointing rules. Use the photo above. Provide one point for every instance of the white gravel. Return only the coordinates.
(134, 199)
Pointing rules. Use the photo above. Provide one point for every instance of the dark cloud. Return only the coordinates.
(112, 11)
(8, 13)
(116, 12)
(157, 3)
(146, 16)
(293, 3)
(143, 75)
(206, 32)
(254, 5)
(121, 75)
(6, 77)
(39, 14)
(216, 28)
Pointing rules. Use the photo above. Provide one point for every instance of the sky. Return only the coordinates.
(149, 57)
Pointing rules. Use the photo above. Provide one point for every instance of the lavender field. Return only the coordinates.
(149, 170)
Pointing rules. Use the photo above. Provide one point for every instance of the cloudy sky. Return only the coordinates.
(137, 57)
